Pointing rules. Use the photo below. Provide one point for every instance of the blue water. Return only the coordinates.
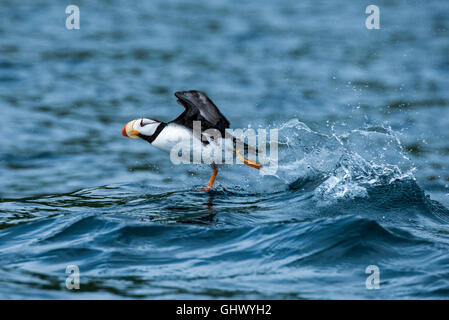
(363, 174)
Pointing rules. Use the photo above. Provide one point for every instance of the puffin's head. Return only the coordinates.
(140, 128)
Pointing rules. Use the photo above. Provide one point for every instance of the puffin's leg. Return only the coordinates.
(212, 179)
(250, 163)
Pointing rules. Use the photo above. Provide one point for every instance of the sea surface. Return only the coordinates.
(363, 170)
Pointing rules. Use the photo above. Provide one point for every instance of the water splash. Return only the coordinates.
(340, 166)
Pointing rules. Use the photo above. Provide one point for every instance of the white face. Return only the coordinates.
(142, 126)
(145, 126)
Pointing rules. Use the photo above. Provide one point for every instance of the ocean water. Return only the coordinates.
(363, 176)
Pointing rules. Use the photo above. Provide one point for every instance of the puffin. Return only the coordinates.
(197, 107)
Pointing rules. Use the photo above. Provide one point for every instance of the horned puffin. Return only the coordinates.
(198, 107)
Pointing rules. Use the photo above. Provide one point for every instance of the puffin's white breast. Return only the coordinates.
(173, 135)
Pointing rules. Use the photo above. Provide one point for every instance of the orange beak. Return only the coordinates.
(124, 131)
(129, 132)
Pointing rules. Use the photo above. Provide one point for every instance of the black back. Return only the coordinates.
(198, 107)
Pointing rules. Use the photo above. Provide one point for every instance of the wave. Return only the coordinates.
(340, 166)
(138, 259)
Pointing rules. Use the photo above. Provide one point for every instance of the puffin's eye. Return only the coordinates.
(147, 121)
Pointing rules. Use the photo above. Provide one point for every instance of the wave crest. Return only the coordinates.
(340, 166)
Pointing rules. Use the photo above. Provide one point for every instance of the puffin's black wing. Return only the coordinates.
(198, 107)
